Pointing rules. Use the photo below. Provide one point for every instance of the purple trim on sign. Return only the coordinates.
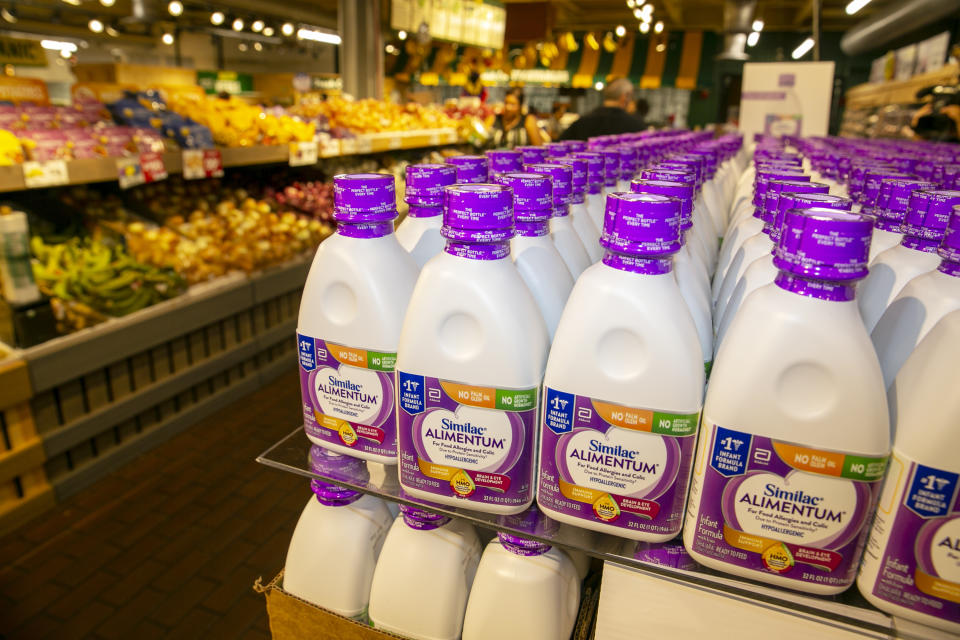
(489, 251)
(763, 95)
(365, 230)
(636, 264)
(950, 268)
(832, 291)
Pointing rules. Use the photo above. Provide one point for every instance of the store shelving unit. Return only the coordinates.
(847, 615)
(89, 170)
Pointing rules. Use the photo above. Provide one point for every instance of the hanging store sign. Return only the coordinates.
(25, 52)
(544, 76)
(225, 82)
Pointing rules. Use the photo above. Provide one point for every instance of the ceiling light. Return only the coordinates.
(315, 35)
(758, 25)
(856, 5)
(661, 48)
(598, 86)
(644, 27)
(95, 25)
(112, 31)
(753, 39)
(242, 46)
(175, 8)
(287, 29)
(637, 13)
(217, 18)
(658, 28)
(257, 26)
(268, 31)
(167, 38)
(402, 35)
(621, 30)
(66, 54)
(238, 24)
(647, 18)
(258, 46)
(108, 3)
(390, 49)
(8, 14)
(631, 4)
(647, 9)
(58, 45)
(801, 50)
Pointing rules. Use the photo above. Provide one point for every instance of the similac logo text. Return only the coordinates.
(798, 503)
(347, 390)
(617, 457)
(464, 433)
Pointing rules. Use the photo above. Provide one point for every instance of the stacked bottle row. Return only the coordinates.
(860, 357)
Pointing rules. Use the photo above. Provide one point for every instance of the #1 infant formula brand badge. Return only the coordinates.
(348, 395)
(465, 440)
(615, 464)
(783, 508)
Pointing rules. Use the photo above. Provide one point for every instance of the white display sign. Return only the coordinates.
(786, 98)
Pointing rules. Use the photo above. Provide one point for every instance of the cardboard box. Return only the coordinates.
(292, 618)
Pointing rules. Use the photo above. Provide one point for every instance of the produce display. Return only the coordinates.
(234, 123)
(373, 116)
(89, 276)
(147, 109)
(312, 197)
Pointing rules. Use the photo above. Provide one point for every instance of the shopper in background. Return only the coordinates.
(640, 110)
(609, 118)
(555, 121)
(514, 128)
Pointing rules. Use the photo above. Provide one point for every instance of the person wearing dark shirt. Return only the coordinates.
(609, 118)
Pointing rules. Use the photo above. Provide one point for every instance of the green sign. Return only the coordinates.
(225, 82)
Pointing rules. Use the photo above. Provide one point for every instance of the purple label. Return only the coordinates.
(347, 395)
(616, 465)
(915, 541)
(466, 441)
(782, 508)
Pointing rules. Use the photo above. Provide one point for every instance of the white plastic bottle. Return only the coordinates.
(504, 161)
(536, 256)
(562, 231)
(920, 304)
(357, 291)
(579, 214)
(470, 361)
(910, 566)
(915, 255)
(337, 539)
(424, 575)
(780, 493)
(595, 180)
(470, 169)
(763, 271)
(419, 233)
(692, 280)
(624, 384)
(524, 590)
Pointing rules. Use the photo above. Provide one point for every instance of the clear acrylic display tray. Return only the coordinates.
(848, 611)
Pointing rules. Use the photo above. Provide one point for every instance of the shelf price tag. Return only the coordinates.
(142, 169)
(303, 153)
(45, 174)
(330, 148)
(202, 163)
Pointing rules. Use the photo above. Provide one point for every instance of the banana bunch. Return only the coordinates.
(104, 278)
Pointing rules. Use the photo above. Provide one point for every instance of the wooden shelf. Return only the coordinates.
(90, 170)
(880, 94)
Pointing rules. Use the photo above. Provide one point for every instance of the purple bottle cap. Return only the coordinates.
(477, 213)
(532, 195)
(928, 213)
(788, 201)
(422, 520)
(562, 176)
(824, 244)
(872, 181)
(364, 197)
(579, 173)
(505, 160)
(894, 198)
(669, 175)
(470, 169)
(337, 467)
(764, 176)
(576, 145)
(611, 167)
(775, 187)
(533, 155)
(522, 546)
(595, 175)
(950, 245)
(425, 183)
(679, 190)
(556, 149)
(531, 521)
(665, 554)
(642, 224)
(628, 161)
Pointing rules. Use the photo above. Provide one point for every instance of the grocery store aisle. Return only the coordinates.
(168, 546)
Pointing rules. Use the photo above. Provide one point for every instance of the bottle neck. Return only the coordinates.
(638, 264)
(819, 289)
(595, 188)
(422, 520)
(887, 224)
(420, 211)
(522, 546)
(920, 244)
(365, 229)
(533, 229)
(478, 250)
(561, 210)
(333, 495)
(579, 197)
